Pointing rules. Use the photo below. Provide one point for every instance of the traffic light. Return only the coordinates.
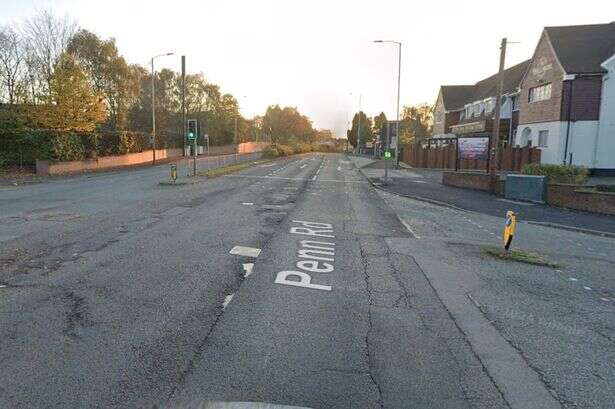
(192, 129)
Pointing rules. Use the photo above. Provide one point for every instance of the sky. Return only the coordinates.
(319, 55)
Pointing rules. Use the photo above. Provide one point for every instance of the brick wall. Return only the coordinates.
(543, 69)
(573, 197)
(471, 180)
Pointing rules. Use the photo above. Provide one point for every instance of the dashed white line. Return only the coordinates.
(407, 226)
(587, 288)
(248, 204)
(247, 267)
(227, 300)
(573, 279)
(245, 251)
(604, 299)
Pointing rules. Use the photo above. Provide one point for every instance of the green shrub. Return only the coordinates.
(605, 188)
(270, 152)
(68, 146)
(558, 173)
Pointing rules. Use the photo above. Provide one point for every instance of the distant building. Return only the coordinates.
(567, 97)
(467, 110)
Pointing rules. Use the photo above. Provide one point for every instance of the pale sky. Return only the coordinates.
(314, 54)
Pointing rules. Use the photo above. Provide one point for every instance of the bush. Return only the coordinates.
(68, 146)
(270, 152)
(558, 173)
(605, 188)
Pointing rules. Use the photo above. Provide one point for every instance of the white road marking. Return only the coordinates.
(339, 168)
(2, 286)
(247, 267)
(516, 202)
(604, 299)
(419, 181)
(587, 288)
(245, 251)
(227, 300)
(284, 178)
(302, 166)
(573, 279)
(248, 204)
(407, 226)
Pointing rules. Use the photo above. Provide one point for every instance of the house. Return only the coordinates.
(467, 110)
(567, 97)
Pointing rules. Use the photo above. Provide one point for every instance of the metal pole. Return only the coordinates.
(386, 161)
(236, 140)
(495, 132)
(359, 127)
(153, 115)
(398, 94)
(184, 130)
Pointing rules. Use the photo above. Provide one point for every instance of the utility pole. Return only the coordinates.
(236, 140)
(386, 149)
(495, 132)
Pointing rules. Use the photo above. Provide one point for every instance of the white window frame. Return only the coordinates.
(540, 93)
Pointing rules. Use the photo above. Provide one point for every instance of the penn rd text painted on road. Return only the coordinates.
(315, 255)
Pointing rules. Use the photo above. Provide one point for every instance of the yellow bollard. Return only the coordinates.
(173, 173)
(509, 229)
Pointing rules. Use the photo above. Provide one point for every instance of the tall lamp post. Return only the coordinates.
(398, 92)
(154, 107)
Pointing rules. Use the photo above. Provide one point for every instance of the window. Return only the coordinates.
(490, 105)
(540, 93)
(515, 103)
(543, 139)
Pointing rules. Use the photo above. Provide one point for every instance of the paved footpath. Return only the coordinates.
(426, 184)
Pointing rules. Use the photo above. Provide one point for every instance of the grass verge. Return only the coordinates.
(520, 256)
(212, 173)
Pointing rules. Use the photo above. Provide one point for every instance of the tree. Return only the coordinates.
(416, 123)
(366, 132)
(73, 105)
(380, 123)
(287, 125)
(108, 72)
(11, 66)
(47, 37)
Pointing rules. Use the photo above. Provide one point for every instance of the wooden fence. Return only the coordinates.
(444, 157)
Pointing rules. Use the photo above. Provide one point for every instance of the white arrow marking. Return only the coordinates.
(247, 267)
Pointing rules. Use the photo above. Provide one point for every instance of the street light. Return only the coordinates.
(154, 107)
(398, 90)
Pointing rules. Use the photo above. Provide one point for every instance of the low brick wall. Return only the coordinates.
(105, 162)
(470, 180)
(575, 197)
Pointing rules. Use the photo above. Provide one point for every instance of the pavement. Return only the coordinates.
(294, 283)
(426, 184)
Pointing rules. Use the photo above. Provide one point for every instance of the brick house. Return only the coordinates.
(567, 97)
(467, 110)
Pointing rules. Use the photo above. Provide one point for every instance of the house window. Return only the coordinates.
(540, 93)
(543, 139)
(490, 105)
(515, 103)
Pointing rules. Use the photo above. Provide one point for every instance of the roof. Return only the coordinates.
(581, 49)
(456, 96)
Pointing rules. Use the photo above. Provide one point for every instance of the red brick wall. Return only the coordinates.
(572, 197)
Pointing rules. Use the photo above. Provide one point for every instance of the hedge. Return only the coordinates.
(22, 147)
(558, 173)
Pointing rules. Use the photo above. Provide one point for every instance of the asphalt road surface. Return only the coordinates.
(294, 283)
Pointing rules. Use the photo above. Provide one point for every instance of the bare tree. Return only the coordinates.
(11, 65)
(47, 38)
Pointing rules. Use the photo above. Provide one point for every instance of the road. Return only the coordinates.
(294, 282)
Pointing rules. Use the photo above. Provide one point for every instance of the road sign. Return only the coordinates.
(387, 155)
(509, 228)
